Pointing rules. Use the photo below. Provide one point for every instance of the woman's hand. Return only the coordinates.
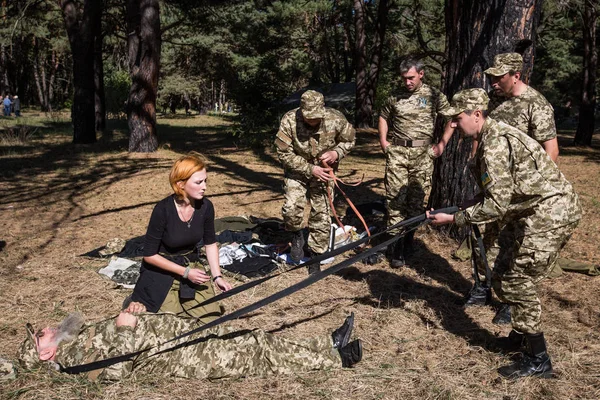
(198, 276)
(222, 284)
(135, 307)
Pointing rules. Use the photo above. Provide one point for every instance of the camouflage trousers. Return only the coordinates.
(297, 192)
(226, 353)
(522, 262)
(407, 181)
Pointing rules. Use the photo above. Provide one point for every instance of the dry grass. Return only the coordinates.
(58, 201)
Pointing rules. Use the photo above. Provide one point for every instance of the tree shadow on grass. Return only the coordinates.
(392, 290)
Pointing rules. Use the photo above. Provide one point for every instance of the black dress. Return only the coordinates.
(171, 237)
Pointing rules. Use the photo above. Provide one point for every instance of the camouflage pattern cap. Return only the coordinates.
(28, 355)
(505, 62)
(312, 105)
(468, 99)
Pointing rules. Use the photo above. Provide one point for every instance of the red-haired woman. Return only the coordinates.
(172, 278)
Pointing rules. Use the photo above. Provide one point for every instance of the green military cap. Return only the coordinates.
(505, 62)
(468, 99)
(312, 105)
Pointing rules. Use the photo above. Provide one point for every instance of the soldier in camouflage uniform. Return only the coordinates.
(218, 352)
(311, 141)
(536, 209)
(519, 105)
(406, 125)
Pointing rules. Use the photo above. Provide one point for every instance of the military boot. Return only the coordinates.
(351, 353)
(479, 295)
(398, 254)
(514, 342)
(502, 316)
(297, 251)
(314, 267)
(536, 362)
(341, 336)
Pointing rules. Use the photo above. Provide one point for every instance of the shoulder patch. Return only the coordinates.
(485, 179)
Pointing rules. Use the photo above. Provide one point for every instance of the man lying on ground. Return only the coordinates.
(219, 352)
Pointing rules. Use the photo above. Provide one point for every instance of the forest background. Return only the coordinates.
(251, 55)
(88, 160)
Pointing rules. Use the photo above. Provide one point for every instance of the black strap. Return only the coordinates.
(324, 256)
(77, 369)
(483, 257)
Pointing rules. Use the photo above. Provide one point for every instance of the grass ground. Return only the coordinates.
(58, 201)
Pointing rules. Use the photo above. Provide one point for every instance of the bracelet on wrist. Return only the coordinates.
(186, 272)
(216, 277)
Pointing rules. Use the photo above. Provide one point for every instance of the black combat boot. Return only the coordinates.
(297, 251)
(479, 295)
(409, 245)
(315, 267)
(351, 353)
(341, 336)
(502, 316)
(398, 254)
(514, 342)
(536, 362)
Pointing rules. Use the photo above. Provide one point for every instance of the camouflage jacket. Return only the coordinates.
(519, 181)
(530, 113)
(412, 115)
(104, 340)
(299, 145)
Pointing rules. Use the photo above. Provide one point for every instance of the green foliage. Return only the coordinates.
(116, 90)
(558, 65)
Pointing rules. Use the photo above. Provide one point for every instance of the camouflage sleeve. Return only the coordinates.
(387, 109)
(497, 184)
(285, 149)
(345, 139)
(542, 126)
(118, 341)
(442, 103)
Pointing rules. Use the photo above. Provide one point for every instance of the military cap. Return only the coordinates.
(28, 354)
(505, 62)
(312, 105)
(468, 99)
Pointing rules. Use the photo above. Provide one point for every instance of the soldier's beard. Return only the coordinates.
(69, 328)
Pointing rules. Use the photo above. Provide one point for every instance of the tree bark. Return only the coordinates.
(144, 42)
(99, 98)
(475, 32)
(586, 124)
(367, 71)
(80, 29)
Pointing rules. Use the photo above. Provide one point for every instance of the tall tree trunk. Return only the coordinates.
(144, 42)
(586, 124)
(477, 30)
(80, 29)
(99, 98)
(367, 70)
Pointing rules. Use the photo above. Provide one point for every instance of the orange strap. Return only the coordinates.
(330, 198)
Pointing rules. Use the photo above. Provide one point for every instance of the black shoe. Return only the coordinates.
(351, 353)
(479, 295)
(297, 251)
(514, 342)
(314, 268)
(341, 336)
(502, 316)
(535, 363)
(373, 259)
(398, 255)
